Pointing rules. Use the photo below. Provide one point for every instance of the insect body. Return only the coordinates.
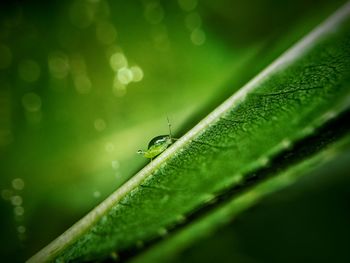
(158, 145)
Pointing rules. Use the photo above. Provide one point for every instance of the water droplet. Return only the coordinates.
(180, 219)
(29, 70)
(237, 178)
(308, 130)
(114, 256)
(208, 198)
(17, 184)
(286, 143)
(31, 102)
(96, 194)
(263, 161)
(162, 231)
(234, 180)
(330, 115)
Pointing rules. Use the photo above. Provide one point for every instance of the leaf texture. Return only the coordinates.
(289, 101)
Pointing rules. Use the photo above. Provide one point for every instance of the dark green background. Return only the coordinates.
(68, 166)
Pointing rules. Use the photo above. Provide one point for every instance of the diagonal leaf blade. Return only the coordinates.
(167, 250)
(298, 93)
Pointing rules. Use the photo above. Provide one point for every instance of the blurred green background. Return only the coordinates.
(84, 84)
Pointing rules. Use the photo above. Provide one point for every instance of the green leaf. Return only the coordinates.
(291, 100)
(202, 227)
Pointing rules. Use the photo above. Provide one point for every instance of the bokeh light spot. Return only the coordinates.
(18, 184)
(96, 194)
(198, 37)
(118, 61)
(58, 64)
(81, 14)
(77, 64)
(154, 13)
(119, 89)
(125, 76)
(137, 73)
(18, 210)
(6, 194)
(160, 37)
(99, 124)
(29, 70)
(16, 200)
(21, 229)
(109, 147)
(187, 5)
(31, 102)
(193, 21)
(106, 33)
(82, 83)
(115, 164)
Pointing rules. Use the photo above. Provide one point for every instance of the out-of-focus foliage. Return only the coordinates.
(85, 83)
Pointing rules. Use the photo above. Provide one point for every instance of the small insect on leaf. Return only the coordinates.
(158, 144)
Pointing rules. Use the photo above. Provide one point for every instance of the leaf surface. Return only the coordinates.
(203, 226)
(289, 101)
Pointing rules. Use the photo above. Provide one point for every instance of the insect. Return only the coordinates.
(158, 144)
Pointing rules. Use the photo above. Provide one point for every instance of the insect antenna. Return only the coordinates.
(169, 125)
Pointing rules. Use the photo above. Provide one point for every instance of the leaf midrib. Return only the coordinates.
(78, 229)
(334, 130)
